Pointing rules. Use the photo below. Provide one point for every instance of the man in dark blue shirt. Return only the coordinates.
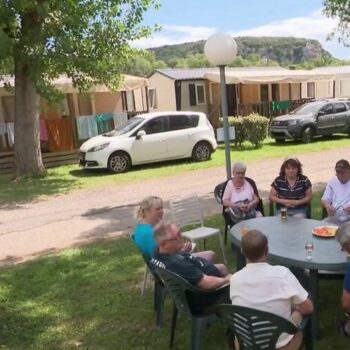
(343, 237)
(198, 271)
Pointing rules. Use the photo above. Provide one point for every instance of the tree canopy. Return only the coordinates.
(88, 40)
(339, 9)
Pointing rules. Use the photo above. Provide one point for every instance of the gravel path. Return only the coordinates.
(55, 223)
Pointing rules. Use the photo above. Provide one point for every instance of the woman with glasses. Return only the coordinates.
(291, 189)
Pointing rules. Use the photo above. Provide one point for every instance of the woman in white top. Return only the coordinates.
(239, 193)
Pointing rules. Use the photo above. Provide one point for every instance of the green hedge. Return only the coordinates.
(252, 128)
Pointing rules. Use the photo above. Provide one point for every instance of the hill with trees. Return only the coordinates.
(282, 50)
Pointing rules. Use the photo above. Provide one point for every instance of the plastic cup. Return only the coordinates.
(284, 213)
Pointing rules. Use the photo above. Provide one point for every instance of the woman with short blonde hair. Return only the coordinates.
(149, 213)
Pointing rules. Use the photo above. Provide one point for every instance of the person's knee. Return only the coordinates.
(211, 256)
(223, 269)
(208, 255)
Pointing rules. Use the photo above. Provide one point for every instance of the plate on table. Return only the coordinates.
(324, 231)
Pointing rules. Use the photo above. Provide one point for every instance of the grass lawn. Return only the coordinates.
(67, 178)
(89, 298)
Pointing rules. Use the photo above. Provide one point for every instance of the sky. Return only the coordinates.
(191, 20)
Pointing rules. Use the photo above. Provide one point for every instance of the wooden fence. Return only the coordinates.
(50, 160)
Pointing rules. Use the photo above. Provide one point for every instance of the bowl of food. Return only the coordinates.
(324, 231)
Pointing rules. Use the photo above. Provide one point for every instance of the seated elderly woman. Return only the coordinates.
(239, 195)
(291, 189)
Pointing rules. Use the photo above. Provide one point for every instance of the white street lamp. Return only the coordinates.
(220, 50)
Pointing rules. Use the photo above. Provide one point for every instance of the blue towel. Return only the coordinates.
(86, 126)
(119, 119)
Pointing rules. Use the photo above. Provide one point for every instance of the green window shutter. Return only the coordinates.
(192, 89)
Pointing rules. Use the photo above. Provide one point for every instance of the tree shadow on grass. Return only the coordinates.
(121, 219)
(83, 298)
(14, 193)
(89, 298)
(319, 139)
(86, 173)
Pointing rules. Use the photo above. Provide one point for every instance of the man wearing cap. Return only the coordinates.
(336, 197)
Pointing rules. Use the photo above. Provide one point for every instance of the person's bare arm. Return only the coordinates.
(228, 203)
(305, 307)
(306, 199)
(273, 197)
(253, 204)
(345, 300)
(328, 206)
(212, 282)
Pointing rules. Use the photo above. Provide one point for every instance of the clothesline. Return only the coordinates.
(59, 132)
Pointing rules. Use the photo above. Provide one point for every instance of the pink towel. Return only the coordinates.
(43, 130)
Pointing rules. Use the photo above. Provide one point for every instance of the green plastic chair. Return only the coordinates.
(184, 297)
(259, 330)
(159, 290)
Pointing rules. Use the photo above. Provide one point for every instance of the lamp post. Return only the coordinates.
(220, 50)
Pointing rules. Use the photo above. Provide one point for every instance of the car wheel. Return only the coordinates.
(201, 152)
(280, 140)
(119, 162)
(308, 135)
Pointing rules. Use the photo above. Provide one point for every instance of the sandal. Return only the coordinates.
(341, 328)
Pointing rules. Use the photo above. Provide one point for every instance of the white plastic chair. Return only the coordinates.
(187, 212)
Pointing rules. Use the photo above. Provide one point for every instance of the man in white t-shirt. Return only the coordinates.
(269, 288)
(336, 197)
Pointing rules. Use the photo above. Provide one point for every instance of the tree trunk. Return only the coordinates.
(28, 160)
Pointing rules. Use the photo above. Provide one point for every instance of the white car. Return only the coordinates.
(148, 138)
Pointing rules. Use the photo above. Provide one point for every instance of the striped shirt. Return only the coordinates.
(285, 191)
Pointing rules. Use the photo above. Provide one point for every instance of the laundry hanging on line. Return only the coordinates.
(105, 122)
(10, 133)
(43, 130)
(86, 127)
(119, 118)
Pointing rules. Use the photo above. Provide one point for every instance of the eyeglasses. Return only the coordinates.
(170, 239)
(177, 237)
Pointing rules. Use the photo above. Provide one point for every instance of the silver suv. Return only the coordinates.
(311, 119)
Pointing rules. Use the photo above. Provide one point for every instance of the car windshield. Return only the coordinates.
(125, 127)
(308, 108)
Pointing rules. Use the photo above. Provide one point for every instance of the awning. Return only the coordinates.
(64, 84)
(129, 82)
(269, 77)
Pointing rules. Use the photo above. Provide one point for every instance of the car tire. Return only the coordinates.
(119, 162)
(280, 140)
(307, 135)
(201, 151)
